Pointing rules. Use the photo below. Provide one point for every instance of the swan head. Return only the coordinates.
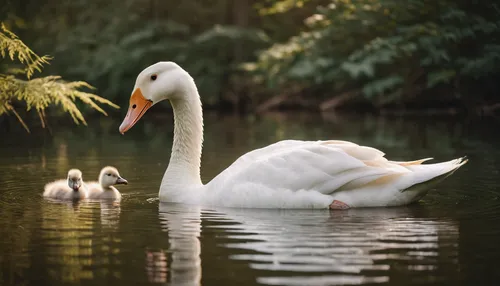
(109, 176)
(163, 80)
(75, 179)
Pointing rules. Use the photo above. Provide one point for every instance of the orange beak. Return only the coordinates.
(136, 109)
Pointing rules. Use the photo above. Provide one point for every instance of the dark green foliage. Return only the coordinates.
(391, 51)
(107, 43)
(315, 53)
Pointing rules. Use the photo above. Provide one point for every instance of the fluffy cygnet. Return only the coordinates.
(70, 189)
(104, 189)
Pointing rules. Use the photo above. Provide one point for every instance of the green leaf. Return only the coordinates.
(381, 86)
(440, 76)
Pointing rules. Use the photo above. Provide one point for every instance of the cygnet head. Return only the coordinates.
(75, 179)
(109, 176)
(163, 80)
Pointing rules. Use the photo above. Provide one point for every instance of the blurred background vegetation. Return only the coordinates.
(255, 56)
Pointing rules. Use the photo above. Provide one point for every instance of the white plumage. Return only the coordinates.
(104, 188)
(298, 174)
(70, 189)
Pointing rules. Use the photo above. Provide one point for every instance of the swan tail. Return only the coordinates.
(409, 163)
(428, 175)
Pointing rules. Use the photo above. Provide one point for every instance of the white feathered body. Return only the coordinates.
(96, 191)
(312, 174)
(61, 191)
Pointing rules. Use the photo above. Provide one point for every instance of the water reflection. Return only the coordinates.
(156, 266)
(183, 224)
(356, 247)
(75, 248)
(341, 248)
(110, 214)
(67, 234)
(302, 247)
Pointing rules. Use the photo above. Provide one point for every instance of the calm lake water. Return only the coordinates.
(451, 237)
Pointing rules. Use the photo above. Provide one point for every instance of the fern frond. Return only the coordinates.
(15, 49)
(40, 93)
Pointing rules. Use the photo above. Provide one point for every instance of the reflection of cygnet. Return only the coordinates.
(110, 213)
(104, 189)
(70, 189)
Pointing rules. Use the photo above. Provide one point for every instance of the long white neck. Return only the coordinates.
(184, 167)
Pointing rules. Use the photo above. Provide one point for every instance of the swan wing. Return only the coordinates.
(297, 166)
(313, 174)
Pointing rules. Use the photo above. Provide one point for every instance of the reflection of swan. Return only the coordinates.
(288, 174)
(156, 266)
(347, 245)
(183, 224)
(303, 247)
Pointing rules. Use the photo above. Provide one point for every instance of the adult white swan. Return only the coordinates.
(287, 174)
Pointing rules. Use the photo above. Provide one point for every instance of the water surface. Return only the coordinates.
(451, 237)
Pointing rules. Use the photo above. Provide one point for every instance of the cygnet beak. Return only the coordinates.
(121, 181)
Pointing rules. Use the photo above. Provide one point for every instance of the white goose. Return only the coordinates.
(287, 174)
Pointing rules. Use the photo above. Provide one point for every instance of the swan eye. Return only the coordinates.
(108, 174)
(153, 77)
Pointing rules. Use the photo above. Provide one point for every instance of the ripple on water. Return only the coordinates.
(322, 280)
(357, 247)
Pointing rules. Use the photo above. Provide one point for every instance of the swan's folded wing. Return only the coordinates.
(323, 166)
